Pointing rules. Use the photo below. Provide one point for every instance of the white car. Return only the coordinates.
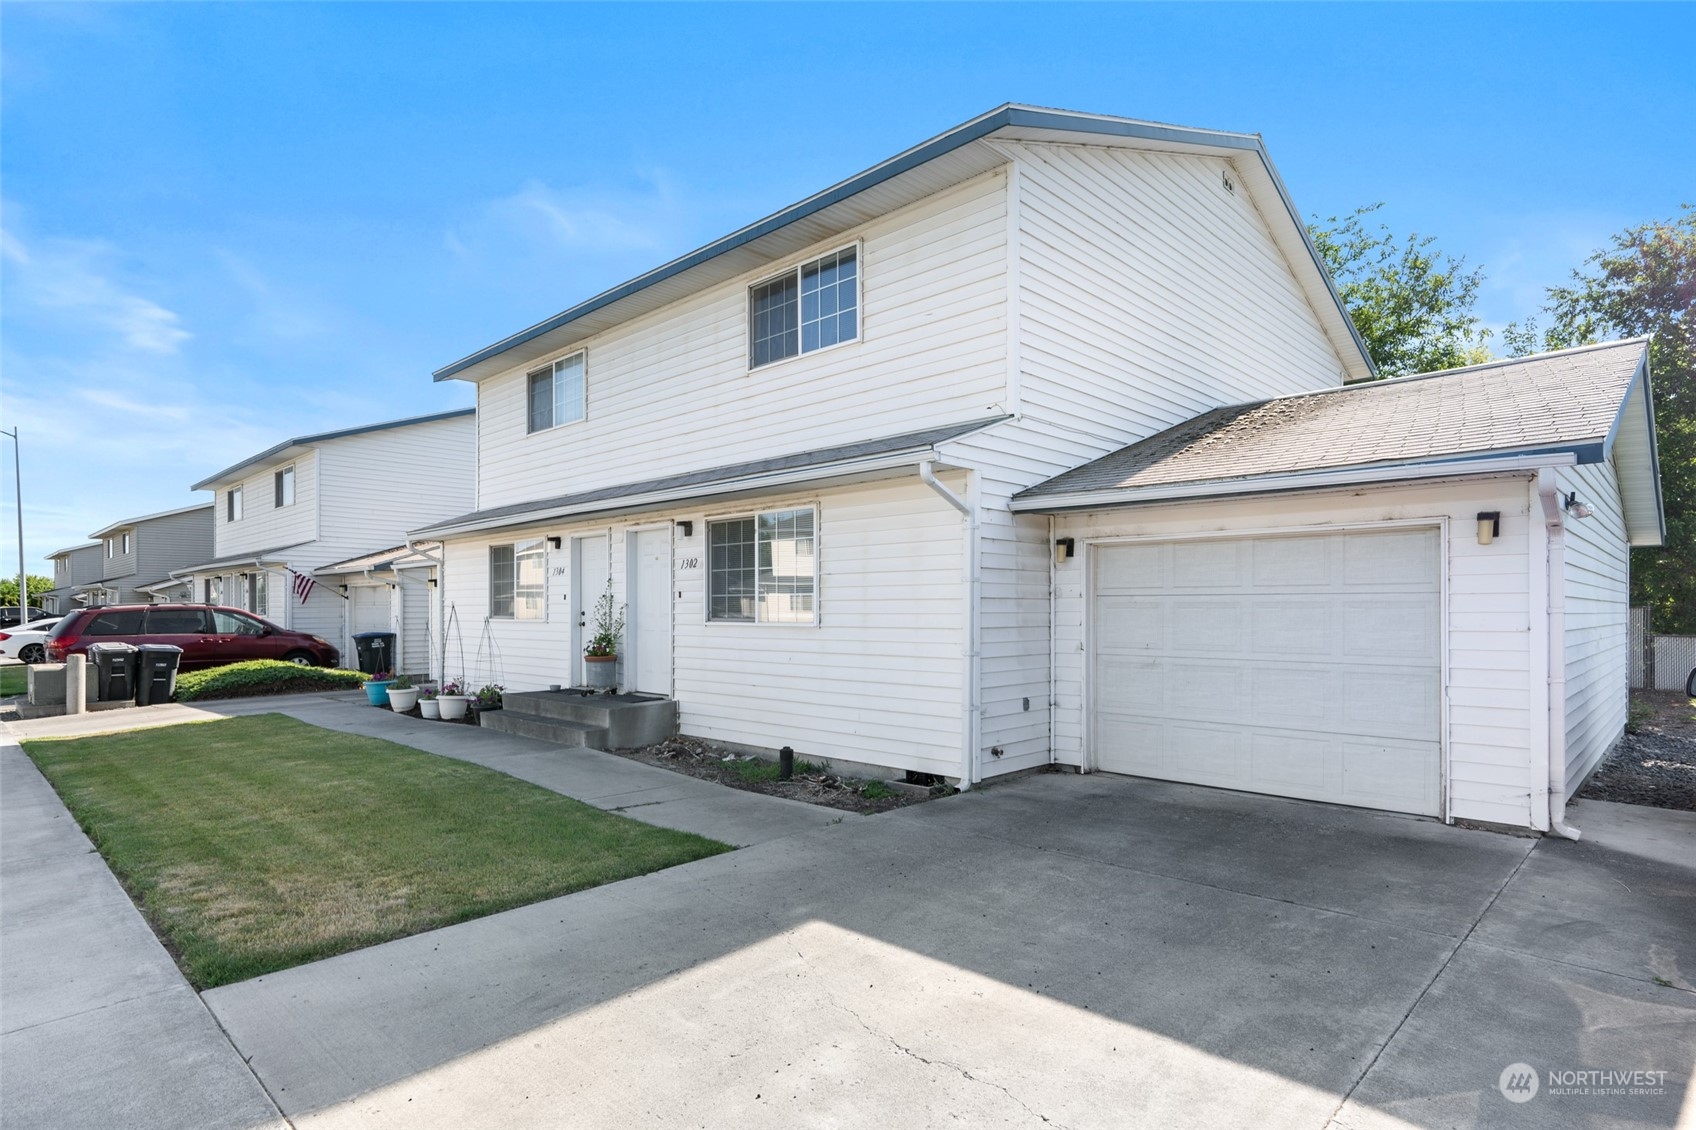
(28, 643)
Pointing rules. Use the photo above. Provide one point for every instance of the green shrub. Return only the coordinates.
(263, 676)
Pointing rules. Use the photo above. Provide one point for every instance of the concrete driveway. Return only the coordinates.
(1057, 951)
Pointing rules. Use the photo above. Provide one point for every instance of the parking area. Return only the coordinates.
(1060, 950)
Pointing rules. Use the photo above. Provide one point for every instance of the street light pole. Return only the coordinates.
(18, 480)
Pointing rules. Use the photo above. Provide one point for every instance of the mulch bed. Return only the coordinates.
(1655, 765)
(711, 762)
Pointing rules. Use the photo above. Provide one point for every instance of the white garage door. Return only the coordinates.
(1303, 666)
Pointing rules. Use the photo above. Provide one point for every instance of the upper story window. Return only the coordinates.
(763, 568)
(556, 394)
(517, 575)
(282, 487)
(232, 505)
(124, 542)
(813, 306)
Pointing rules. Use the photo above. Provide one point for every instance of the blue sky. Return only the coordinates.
(228, 224)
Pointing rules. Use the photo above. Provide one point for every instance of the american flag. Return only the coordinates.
(303, 586)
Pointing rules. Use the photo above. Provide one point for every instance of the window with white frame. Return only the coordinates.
(232, 505)
(557, 393)
(282, 487)
(124, 542)
(812, 306)
(763, 568)
(518, 580)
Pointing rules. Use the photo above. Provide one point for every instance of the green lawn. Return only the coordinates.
(14, 680)
(254, 844)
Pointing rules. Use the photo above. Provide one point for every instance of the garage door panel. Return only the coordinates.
(1404, 559)
(1128, 623)
(1219, 563)
(1285, 626)
(1393, 626)
(1306, 666)
(1296, 562)
(1133, 568)
(1285, 763)
(1390, 775)
(1298, 697)
(1212, 625)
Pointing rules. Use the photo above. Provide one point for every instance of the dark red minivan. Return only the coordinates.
(208, 634)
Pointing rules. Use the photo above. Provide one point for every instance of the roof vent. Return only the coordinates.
(1230, 185)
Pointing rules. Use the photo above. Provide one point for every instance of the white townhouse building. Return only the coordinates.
(312, 533)
(1048, 441)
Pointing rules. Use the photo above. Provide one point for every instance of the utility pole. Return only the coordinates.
(18, 481)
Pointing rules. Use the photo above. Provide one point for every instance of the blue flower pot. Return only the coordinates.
(378, 692)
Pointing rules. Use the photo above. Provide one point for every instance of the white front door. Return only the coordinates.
(1305, 666)
(590, 575)
(648, 633)
(368, 611)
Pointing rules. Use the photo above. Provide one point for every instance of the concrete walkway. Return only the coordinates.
(615, 784)
(99, 1027)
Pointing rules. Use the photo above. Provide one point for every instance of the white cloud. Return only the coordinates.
(646, 219)
(71, 280)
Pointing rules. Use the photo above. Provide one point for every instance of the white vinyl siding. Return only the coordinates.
(878, 679)
(1597, 578)
(1492, 771)
(268, 527)
(673, 391)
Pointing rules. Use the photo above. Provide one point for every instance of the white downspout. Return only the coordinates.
(972, 718)
(1548, 491)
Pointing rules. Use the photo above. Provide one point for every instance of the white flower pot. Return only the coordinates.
(402, 701)
(453, 706)
(429, 708)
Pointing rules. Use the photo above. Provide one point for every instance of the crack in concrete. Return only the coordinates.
(909, 1052)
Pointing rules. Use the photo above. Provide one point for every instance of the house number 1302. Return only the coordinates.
(689, 563)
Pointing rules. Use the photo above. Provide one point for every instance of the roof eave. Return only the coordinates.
(306, 443)
(1387, 474)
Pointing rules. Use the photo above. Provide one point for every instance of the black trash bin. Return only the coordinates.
(114, 671)
(156, 672)
(376, 651)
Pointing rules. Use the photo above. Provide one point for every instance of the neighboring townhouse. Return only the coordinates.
(72, 567)
(136, 554)
(290, 519)
(809, 461)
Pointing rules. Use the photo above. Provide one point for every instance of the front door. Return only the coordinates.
(591, 573)
(648, 634)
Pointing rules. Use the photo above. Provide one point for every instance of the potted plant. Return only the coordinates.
(428, 707)
(452, 701)
(600, 655)
(377, 688)
(488, 698)
(403, 696)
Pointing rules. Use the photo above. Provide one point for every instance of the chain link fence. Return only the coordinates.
(1659, 663)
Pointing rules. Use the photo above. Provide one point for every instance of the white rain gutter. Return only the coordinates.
(1548, 491)
(972, 714)
(1301, 480)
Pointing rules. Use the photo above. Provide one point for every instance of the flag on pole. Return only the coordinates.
(303, 586)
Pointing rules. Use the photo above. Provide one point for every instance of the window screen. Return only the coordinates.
(557, 393)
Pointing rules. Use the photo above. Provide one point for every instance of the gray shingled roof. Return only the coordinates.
(706, 483)
(1567, 401)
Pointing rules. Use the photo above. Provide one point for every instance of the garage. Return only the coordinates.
(1303, 665)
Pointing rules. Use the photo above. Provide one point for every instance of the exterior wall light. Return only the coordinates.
(1576, 508)
(686, 529)
(1489, 526)
(1063, 548)
(553, 541)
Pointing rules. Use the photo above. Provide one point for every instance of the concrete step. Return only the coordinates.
(629, 720)
(557, 730)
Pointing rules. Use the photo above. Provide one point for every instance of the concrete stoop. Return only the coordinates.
(586, 718)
